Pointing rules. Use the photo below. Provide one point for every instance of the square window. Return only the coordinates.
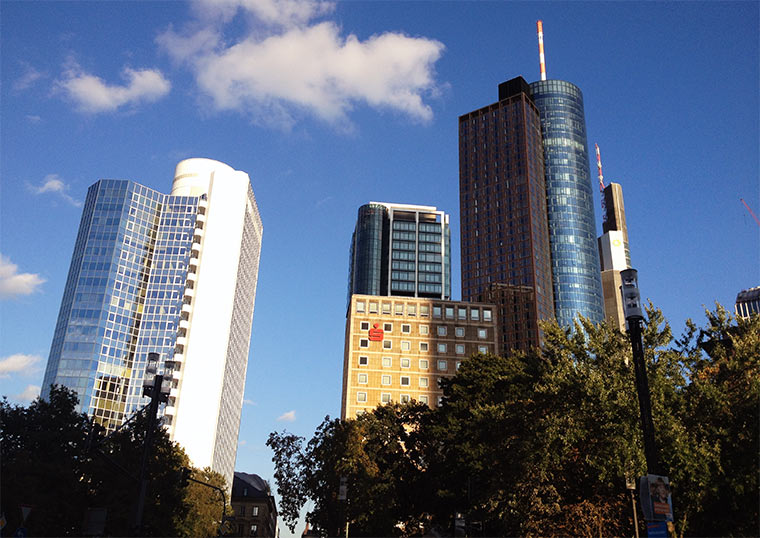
(423, 382)
(398, 309)
(461, 313)
(423, 399)
(388, 327)
(362, 379)
(385, 380)
(411, 310)
(406, 363)
(460, 349)
(436, 311)
(405, 381)
(363, 361)
(482, 349)
(442, 365)
(373, 308)
(363, 342)
(449, 312)
(361, 396)
(441, 348)
(487, 314)
(406, 346)
(405, 398)
(424, 310)
(423, 364)
(423, 346)
(387, 362)
(364, 326)
(424, 329)
(386, 308)
(441, 331)
(459, 331)
(475, 314)
(406, 328)
(482, 333)
(385, 398)
(387, 344)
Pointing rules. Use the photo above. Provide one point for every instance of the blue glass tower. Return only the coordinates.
(123, 295)
(572, 231)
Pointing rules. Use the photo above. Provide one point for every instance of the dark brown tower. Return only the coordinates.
(502, 199)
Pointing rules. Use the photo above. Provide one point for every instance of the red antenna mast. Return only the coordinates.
(601, 182)
(750, 211)
(541, 59)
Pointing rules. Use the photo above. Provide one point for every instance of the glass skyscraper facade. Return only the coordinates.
(570, 208)
(402, 250)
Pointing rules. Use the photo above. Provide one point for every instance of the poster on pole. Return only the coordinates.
(654, 493)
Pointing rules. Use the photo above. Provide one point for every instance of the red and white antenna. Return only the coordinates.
(601, 182)
(541, 59)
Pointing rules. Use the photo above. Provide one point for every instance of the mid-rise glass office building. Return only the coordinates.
(569, 200)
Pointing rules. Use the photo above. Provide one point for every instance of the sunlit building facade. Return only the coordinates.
(172, 274)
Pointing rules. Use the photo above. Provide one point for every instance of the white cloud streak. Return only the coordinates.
(17, 363)
(290, 416)
(27, 79)
(14, 284)
(93, 95)
(52, 183)
(294, 65)
(28, 394)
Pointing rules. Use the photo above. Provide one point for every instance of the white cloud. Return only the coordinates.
(28, 394)
(293, 65)
(13, 283)
(290, 416)
(33, 118)
(92, 95)
(17, 363)
(242, 443)
(249, 402)
(27, 79)
(53, 183)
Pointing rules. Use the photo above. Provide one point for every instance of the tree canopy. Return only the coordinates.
(541, 443)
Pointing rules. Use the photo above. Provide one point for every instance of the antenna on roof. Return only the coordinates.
(541, 59)
(601, 182)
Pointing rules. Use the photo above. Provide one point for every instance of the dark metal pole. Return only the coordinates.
(155, 398)
(645, 403)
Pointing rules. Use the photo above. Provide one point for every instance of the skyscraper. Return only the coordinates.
(614, 253)
(504, 230)
(400, 249)
(748, 303)
(173, 274)
(569, 201)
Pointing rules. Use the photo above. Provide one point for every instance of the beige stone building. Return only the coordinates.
(398, 348)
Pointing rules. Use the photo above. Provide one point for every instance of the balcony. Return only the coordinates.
(184, 324)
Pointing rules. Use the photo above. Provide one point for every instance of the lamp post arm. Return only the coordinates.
(224, 500)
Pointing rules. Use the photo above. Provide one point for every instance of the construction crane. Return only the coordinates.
(601, 182)
(750, 211)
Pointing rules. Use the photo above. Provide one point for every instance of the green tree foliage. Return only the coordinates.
(55, 460)
(541, 443)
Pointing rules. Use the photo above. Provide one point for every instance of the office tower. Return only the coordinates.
(172, 274)
(502, 198)
(748, 303)
(400, 249)
(614, 253)
(397, 348)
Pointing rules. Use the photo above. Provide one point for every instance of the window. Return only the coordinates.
(388, 327)
(398, 309)
(487, 314)
(460, 349)
(441, 330)
(441, 348)
(457, 365)
(405, 381)
(461, 313)
(436, 311)
(361, 397)
(406, 346)
(363, 342)
(406, 328)
(474, 314)
(386, 308)
(423, 382)
(482, 333)
(423, 346)
(423, 364)
(364, 326)
(362, 379)
(424, 310)
(406, 363)
(424, 329)
(385, 398)
(449, 312)
(255, 511)
(442, 365)
(482, 349)
(459, 331)
(385, 380)
(405, 398)
(373, 308)
(241, 510)
(387, 344)
(411, 310)
(387, 362)
(363, 361)
(360, 306)
(423, 399)
(254, 528)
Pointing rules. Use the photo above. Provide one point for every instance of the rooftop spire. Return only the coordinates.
(541, 59)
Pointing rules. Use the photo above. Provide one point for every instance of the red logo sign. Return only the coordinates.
(375, 333)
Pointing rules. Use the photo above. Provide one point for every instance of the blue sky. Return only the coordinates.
(329, 106)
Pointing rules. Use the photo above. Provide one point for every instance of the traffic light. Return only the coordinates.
(184, 475)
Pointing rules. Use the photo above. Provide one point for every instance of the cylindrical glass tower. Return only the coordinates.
(570, 204)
